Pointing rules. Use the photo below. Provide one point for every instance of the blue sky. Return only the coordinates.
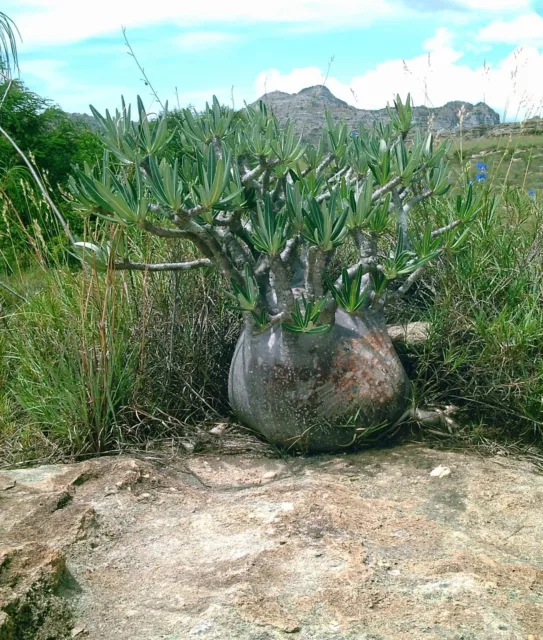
(74, 53)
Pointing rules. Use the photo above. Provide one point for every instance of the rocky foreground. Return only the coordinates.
(396, 544)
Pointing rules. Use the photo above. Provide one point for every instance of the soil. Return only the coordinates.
(365, 546)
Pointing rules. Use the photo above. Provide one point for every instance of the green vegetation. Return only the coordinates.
(516, 161)
(55, 145)
(89, 363)
(485, 352)
(92, 360)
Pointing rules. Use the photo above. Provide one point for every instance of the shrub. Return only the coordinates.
(485, 351)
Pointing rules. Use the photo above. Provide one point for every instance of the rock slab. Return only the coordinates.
(365, 546)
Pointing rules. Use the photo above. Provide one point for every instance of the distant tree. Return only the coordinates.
(44, 130)
(36, 135)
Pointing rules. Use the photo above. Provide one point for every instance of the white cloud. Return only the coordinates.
(63, 21)
(511, 86)
(524, 29)
(55, 82)
(196, 41)
(442, 39)
(496, 6)
(44, 22)
(49, 71)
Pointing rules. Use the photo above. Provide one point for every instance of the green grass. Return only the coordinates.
(485, 352)
(514, 161)
(91, 362)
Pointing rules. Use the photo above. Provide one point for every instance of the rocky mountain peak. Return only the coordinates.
(306, 110)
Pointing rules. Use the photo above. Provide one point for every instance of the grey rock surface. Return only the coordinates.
(367, 546)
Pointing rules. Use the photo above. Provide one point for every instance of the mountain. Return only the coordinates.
(86, 120)
(306, 110)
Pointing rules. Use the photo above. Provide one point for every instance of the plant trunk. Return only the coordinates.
(318, 392)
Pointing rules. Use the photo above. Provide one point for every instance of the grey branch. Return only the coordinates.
(362, 242)
(281, 285)
(194, 211)
(321, 167)
(448, 227)
(310, 259)
(290, 247)
(263, 265)
(126, 265)
(386, 188)
(401, 291)
(324, 196)
(266, 180)
(162, 231)
(255, 173)
(414, 201)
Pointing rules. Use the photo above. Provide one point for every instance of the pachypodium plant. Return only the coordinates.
(269, 212)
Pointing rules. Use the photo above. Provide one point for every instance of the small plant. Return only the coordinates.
(265, 209)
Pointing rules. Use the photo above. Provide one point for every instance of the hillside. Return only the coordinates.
(513, 151)
(306, 110)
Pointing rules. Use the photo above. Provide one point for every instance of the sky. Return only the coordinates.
(365, 51)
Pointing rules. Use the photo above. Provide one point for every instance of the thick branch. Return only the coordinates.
(280, 186)
(209, 246)
(281, 285)
(255, 173)
(414, 201)
(362, 242)
(164, 266)
(162, 231)
(193, 211)
(240, 254)
(386, 188)
(328, 160)
(326, 194)
(310, 260)
(317, 274)
(401, 291)
(266, 179)
(263, 265)
(321, 167)
(289, 251)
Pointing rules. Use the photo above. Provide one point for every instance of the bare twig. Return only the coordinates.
(448, 227)
(386, 188)
(414, 201)
(126, 265)
(321, 167)
(142, 70)
(255, 173)
(5, 93)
